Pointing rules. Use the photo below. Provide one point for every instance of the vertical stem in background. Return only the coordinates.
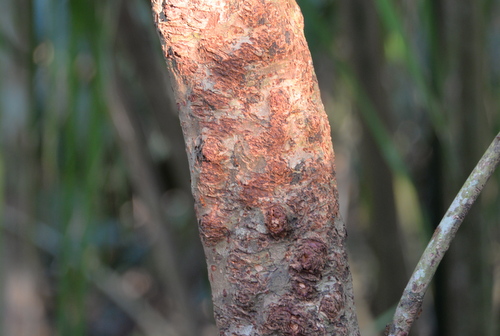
(262, 166)
(377, 179)
(19, 262)
(468, 289)
(74, 221)
(436, 17)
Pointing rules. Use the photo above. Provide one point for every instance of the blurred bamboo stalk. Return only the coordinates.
(23, 308)
(384, 229)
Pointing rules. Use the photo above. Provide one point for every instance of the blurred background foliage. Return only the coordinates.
(97, 231)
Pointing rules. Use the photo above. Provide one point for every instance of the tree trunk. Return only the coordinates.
(262, 166)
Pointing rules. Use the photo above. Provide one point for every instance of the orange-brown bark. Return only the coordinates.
(262, 166)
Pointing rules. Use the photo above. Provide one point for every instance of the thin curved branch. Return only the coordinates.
(410, 304)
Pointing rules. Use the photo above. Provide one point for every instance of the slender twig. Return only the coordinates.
(410, 304)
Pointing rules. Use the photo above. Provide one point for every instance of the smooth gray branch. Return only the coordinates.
(410, 304)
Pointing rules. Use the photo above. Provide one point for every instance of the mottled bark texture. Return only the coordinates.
(262, 166)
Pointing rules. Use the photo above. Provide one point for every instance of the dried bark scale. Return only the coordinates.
(262, 166)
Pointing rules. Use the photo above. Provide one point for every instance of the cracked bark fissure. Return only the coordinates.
(262, 166)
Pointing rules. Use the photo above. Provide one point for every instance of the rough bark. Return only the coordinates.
(262, 166)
